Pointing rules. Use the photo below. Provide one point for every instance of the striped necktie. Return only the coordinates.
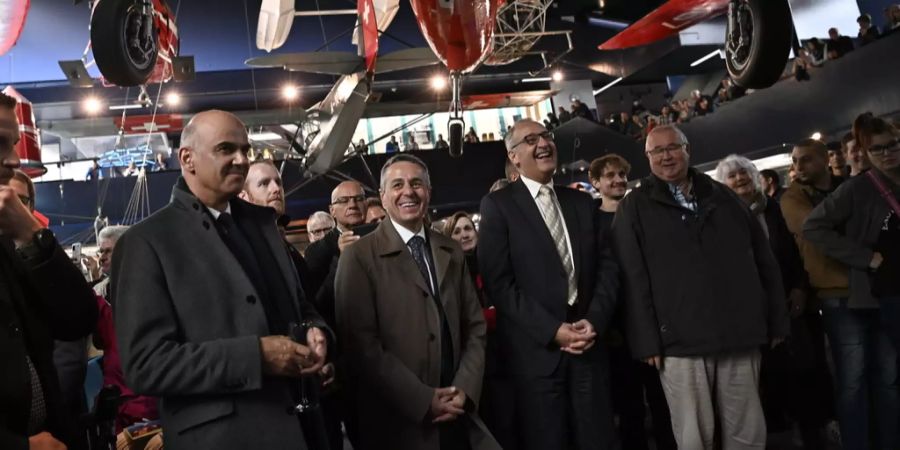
(551, 215)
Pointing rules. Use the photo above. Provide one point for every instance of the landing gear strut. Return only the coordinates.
(456, 125)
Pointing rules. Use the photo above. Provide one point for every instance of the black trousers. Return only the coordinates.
(570, 409)
(631, 380)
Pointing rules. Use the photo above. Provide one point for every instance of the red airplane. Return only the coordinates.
(757, 38)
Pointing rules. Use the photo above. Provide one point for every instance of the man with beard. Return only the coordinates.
(264, 187)
(412, 327)
(864, 359)
(630, 378)
(205, 297)
(550, 274)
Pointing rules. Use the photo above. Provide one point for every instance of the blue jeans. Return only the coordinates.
(866, 366)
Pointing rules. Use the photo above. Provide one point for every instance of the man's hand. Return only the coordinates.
(877, 259)
(45, 441)
(797, 302)
(346, 238)
(446, 404)
(585, 328)
(16, 221)
(283, 357)
(655, 361)
(775, 342)
(573, 340)
(315, 337)
(327, 374)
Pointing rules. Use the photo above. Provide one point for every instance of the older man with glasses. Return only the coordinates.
(319, 224)
(550, 273)
(702, 293)
(348, 209)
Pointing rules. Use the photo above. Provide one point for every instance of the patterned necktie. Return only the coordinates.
(552, 218)
(38, 413)
(417, 248)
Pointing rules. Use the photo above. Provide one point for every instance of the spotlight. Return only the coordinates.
(817, 136)
(290, 92)
(172, 99)
(557, 75)
(92, 105)
(438, 82)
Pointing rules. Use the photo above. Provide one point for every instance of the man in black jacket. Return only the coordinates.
(43, 296)
(553, 281)
(702, 293)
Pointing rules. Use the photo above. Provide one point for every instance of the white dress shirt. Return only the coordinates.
(216, 213)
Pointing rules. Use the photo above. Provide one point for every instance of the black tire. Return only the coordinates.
(118, 63)
(763, 63)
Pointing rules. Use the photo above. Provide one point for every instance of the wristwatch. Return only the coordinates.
(42, 242)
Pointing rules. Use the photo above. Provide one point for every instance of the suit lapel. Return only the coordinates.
(260, 223)
(533, 216)
(441, 255)
(390, 245)
(570, 215)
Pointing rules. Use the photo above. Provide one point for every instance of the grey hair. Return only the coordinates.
(319, 216)
(508, 139)
(671, 127)
(112, 232)
(734, 162)
(404, 158)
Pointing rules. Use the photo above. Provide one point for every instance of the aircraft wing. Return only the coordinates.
(667, 20)
(329, 63)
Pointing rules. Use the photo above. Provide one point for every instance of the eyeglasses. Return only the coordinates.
(26, 200)
(320, 231)
(345, 200)
(533, 138)
(881, 150)
(659, 151)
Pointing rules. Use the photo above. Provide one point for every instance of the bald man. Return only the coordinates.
(348, 207)
(205, 296)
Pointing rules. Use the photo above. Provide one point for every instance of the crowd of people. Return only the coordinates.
(549, 320)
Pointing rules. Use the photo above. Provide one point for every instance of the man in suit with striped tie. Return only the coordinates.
(553, 281)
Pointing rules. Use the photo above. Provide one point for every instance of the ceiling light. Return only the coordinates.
(438, 82)
(817, 136)
(536, 80)
(172, 99)
(264, 136)
(557, 76)
(611, 84)
(290, 92)
(92, 105)
(702, 60)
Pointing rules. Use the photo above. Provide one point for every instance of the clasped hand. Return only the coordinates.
(576, 338)
(283, 357)
(447, 404)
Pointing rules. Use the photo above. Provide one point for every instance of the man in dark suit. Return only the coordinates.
(553, 282)
(205, 296)
(411, 326)
(43, 296)
(264, 187)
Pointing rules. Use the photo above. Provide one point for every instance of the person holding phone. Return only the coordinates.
(44, 297)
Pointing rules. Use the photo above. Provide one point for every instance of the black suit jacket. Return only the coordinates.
(321, 261)
(525, 279)
(39, 301)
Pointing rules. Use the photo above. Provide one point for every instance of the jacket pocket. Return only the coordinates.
(199, 413)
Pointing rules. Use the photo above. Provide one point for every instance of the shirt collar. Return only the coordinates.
(406, 234)
(533, 186)
(216, 213)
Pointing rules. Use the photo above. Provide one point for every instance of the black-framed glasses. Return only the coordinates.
(320, 231)
(890, 147)
(657, 152)
(26, 200)
(533, 138)
(348, 199)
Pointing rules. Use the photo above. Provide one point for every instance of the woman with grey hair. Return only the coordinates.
(792, 378)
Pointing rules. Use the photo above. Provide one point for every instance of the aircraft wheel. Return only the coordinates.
(757, 41)
(455, 136)
(124, 42)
